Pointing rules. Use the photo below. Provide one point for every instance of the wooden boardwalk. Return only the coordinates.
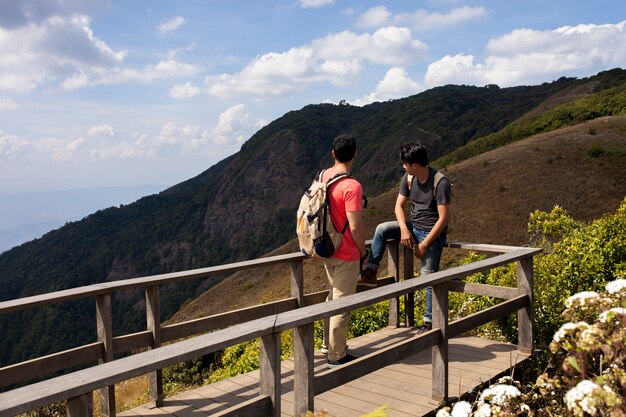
(405, 386)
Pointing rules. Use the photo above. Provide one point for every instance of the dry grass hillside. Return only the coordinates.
(581, 168)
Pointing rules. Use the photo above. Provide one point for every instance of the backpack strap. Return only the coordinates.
(338, 176)
(438, 177)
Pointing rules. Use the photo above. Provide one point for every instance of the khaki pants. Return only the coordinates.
(342, 276)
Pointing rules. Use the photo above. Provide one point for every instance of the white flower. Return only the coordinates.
(568, 329)
(590, 338)
(580, 398)
(443, 413)
(606, 316)
(616, 286)
(581, 299)
(461, 409)
(505, 380)
(500, 394)
(483, 410)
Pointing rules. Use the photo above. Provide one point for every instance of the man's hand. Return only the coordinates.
(419, 250)
(406, 238)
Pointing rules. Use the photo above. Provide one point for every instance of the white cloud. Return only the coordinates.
(14, 147)
(164, 69)
(420, 20)
(24, 12)
(337, 59)
(315, 3)
(7, 104)
(101, 130)
(77, 80)
(182, 91)
(122, 150)
(58, 149)
(173, 140)
(170, 131)
(11, 146)
(234, 126)
(375, 17)
(64, 49)
(171, 24)
(395, 84)
(526, 56)
(56, 48)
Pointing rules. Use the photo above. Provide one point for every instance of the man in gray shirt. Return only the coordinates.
(425, 230)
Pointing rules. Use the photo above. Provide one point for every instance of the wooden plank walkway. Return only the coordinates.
(405, 386)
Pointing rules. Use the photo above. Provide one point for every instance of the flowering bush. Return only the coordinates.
(590, 380)
(501, 399)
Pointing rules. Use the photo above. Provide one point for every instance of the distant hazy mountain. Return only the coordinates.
(27, 216)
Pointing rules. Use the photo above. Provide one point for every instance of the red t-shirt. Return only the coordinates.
(344, 195)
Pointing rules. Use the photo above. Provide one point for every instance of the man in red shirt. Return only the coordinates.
(342, 269)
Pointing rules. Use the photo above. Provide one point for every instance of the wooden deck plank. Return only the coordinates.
(405, 386)
(359, 405)
(377, 386)
(198, 402)
(377, 399)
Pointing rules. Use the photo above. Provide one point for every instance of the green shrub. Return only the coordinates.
(595, 152)
(576, 257)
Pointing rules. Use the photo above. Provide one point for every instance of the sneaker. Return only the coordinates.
(342, 361)
(424, 328)
(367, 278)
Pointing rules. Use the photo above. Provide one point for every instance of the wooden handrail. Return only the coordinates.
(142, 282)
(77, 386)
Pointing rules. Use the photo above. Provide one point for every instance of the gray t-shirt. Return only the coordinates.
(424, 212)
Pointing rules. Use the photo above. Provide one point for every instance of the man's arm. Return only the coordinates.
(406, 237)
(357, 229)
(444, 216)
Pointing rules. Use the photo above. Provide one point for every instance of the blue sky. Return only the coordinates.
(128, 92)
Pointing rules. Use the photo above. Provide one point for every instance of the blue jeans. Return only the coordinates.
(430, 261)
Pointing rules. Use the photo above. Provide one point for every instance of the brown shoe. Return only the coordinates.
(368, 278)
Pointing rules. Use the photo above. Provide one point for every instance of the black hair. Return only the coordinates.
(412, 153)
(344, 147)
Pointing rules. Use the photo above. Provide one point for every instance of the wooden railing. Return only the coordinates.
(266, 322)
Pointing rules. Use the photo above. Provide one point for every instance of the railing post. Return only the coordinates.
(409, 298)
(80, 406)
(393, 269)
(303, 369)
(302, 348)
(440, 350)
(270, 370)
(153, 323)
(297, 281)
(326, 339)
(526, 317)
(104, 324)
